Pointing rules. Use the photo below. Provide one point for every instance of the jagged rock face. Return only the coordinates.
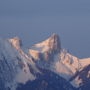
(54, 47)
(48, 48)
(82, 77)
(54, 43)
(70, 61)
(51, 45)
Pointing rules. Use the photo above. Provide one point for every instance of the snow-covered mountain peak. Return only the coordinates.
(16, 42)
(52, 44)
(46, 49)
(16, 66)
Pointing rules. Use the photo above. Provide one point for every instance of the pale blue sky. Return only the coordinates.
(35, 20)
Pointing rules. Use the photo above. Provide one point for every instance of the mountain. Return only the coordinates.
(44, 66)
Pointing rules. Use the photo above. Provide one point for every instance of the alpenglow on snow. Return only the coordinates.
(22, 69)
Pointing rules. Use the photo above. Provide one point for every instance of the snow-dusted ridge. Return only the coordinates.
(46, 55)
(14, 62)
(60, 61)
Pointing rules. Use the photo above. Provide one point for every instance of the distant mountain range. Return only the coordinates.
(44, 66)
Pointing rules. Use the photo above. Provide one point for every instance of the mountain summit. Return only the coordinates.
(16, 42)
(49, 48)
(52, 44)
(46, 66)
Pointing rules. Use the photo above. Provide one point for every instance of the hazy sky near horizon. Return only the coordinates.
(35, 20)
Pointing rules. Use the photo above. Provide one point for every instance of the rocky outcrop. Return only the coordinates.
(16, 42)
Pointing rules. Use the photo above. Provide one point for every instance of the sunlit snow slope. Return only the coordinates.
(18, 66)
